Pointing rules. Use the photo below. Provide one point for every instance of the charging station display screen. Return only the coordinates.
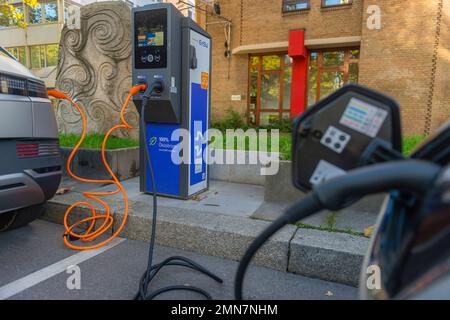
(147, 38)
(150, 30)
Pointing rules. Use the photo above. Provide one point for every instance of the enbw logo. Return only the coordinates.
(203, 43)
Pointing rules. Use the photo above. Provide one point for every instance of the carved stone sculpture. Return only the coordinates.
(95, 69)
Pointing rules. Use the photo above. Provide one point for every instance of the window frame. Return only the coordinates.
(281, 71)
(21, 56)
(287, 2)
(344, 68)
(43, 60)
(43, 14)
(30, 10)
(39, 46)
(324, 5)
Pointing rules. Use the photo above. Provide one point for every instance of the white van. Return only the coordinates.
(30, 158)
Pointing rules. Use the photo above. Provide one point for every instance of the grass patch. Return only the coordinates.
(410, 143)
(94, 141)
(285, 144)
(329, 229)
(330, 220)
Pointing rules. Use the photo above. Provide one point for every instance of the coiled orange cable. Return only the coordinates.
(92, 234)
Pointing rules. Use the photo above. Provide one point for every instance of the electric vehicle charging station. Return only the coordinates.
(172, 49)
(333, 143)
(172, 59)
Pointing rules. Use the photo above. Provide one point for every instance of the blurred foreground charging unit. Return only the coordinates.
(174, 51)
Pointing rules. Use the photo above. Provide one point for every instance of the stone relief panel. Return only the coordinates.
(94, 69)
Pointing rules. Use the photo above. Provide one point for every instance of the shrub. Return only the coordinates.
(235, 120)
(284, 125)
(232, 120)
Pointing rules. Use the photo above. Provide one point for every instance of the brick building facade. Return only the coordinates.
(408, 57)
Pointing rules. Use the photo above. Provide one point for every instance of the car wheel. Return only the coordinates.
(20, 217)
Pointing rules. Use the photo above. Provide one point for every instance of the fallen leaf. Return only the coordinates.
(368, 231)
(63, 190)
(198, 197)
(329, 294)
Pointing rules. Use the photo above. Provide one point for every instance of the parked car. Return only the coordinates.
(30, 158)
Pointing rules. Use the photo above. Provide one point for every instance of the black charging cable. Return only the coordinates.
(412, 175)
(152, 270)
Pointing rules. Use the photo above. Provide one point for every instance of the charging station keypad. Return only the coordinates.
(363, 117)
(335, 139)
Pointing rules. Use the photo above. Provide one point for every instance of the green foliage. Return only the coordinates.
(11, 15)
(330, 220)
(94, 141)
(410, 143)
(233, 120)
(284, 125)
(285, 145)
(327, 229)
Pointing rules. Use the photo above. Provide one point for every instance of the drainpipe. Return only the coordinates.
(299, 54)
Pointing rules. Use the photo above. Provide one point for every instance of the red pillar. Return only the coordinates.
(299, 54)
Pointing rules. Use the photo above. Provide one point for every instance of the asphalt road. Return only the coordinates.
(34, 261)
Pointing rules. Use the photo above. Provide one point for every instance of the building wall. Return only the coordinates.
(440, 107)
(401, 59)
(262, 21)
(229, 75)
(398, 58)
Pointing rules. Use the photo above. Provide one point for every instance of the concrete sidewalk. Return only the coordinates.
(221, 222)
(244, 200)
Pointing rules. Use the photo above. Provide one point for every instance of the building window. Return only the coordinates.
(328, 70)
(334, 3)
(51, 11)
(269, 88)
(35, 15)
(43, 12)
(295, 5)
(19, 54)
(44, 56)
(7, 22)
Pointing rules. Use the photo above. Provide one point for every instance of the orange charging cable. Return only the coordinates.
(107, 221)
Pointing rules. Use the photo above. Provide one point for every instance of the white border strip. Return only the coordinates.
(37, 277)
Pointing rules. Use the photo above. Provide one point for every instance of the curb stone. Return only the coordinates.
(325, 255)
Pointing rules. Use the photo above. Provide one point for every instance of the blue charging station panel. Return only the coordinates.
(173, 49)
